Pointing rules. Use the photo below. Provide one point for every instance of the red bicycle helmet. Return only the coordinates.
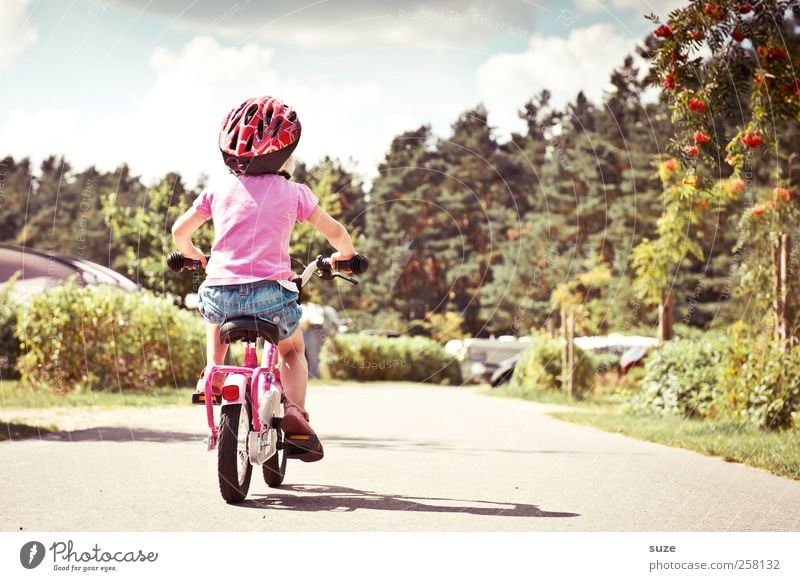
(258, 136)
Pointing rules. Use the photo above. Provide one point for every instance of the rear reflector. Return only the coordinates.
(230, 392)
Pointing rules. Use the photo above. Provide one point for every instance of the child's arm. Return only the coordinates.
(334, 232)
(182, 231)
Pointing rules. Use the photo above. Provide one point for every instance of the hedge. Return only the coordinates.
(371, 358)
(9, 344)
(682, 378)
(757, 381)
(102, 338)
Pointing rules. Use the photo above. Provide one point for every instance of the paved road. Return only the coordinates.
(397, 458)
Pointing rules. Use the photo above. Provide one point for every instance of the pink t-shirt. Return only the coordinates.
(253, 221)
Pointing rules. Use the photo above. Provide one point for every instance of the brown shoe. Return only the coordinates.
(302, 442)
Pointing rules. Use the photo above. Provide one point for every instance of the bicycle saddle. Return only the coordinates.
(248, 329)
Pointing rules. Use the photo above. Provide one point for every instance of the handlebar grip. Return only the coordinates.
(176, 262)
(357, 265)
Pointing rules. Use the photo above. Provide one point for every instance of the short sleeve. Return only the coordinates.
(203, 204)
(306, 202)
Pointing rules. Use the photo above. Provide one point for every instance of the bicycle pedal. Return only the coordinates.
(200, 399)
(298, 445)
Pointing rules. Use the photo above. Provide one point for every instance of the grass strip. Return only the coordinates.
(776, 452)
(14, 394)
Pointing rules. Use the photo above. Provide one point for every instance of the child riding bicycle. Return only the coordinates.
(254, 214)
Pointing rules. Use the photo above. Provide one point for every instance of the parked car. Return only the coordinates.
(479, 358)
(629, 350)
(39, 271)
(504, 371)
(633, 357)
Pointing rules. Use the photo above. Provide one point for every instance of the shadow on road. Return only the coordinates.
(13, 431)
(406, 445)
(319, 498)
(122, 434)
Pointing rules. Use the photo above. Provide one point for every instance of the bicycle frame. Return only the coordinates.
(259, 379)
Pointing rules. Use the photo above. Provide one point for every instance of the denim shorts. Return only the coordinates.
(265, 299)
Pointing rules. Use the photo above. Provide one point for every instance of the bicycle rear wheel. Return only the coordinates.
(233, 462)
(275, 468)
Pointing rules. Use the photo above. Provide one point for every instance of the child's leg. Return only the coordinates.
(215, 349)
(304, 444)
(294, 371)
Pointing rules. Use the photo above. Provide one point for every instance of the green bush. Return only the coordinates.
(682, 378)
(9, 344)
(740, 376)
(371, 358)
(539, 366)
(103, 338)
(763, 382)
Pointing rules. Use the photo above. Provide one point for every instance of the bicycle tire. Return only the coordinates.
(274, 469)
(233, 463)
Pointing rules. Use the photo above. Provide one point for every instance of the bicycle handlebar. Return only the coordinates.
(358, 264)
(176, 262)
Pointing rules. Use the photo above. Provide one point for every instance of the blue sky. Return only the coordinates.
(147, 82)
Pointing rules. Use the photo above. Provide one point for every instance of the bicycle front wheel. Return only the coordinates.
(233, 462)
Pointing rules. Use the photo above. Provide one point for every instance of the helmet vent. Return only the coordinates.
(234, 140)
(249, 146)
(251, 112)
(292, 116)
(268, 117)
(236, 117)
(260, 129)
(277, 128)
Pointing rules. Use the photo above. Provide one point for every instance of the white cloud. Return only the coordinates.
(354, 23)
(660, 7)
(16, 32)
(581, 62)
(44, 132)
(176, 122)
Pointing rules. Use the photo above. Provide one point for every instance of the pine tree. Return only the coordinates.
(16, 187)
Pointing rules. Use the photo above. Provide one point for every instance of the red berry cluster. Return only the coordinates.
(697, 105)
(701, 138)
(752, 140)
(663, 31)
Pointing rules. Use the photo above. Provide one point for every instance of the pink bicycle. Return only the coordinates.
(251, 402)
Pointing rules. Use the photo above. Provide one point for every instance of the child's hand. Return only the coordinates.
(336, 256)
(195, 254)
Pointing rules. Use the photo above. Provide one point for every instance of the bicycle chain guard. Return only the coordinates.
(261, 446)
